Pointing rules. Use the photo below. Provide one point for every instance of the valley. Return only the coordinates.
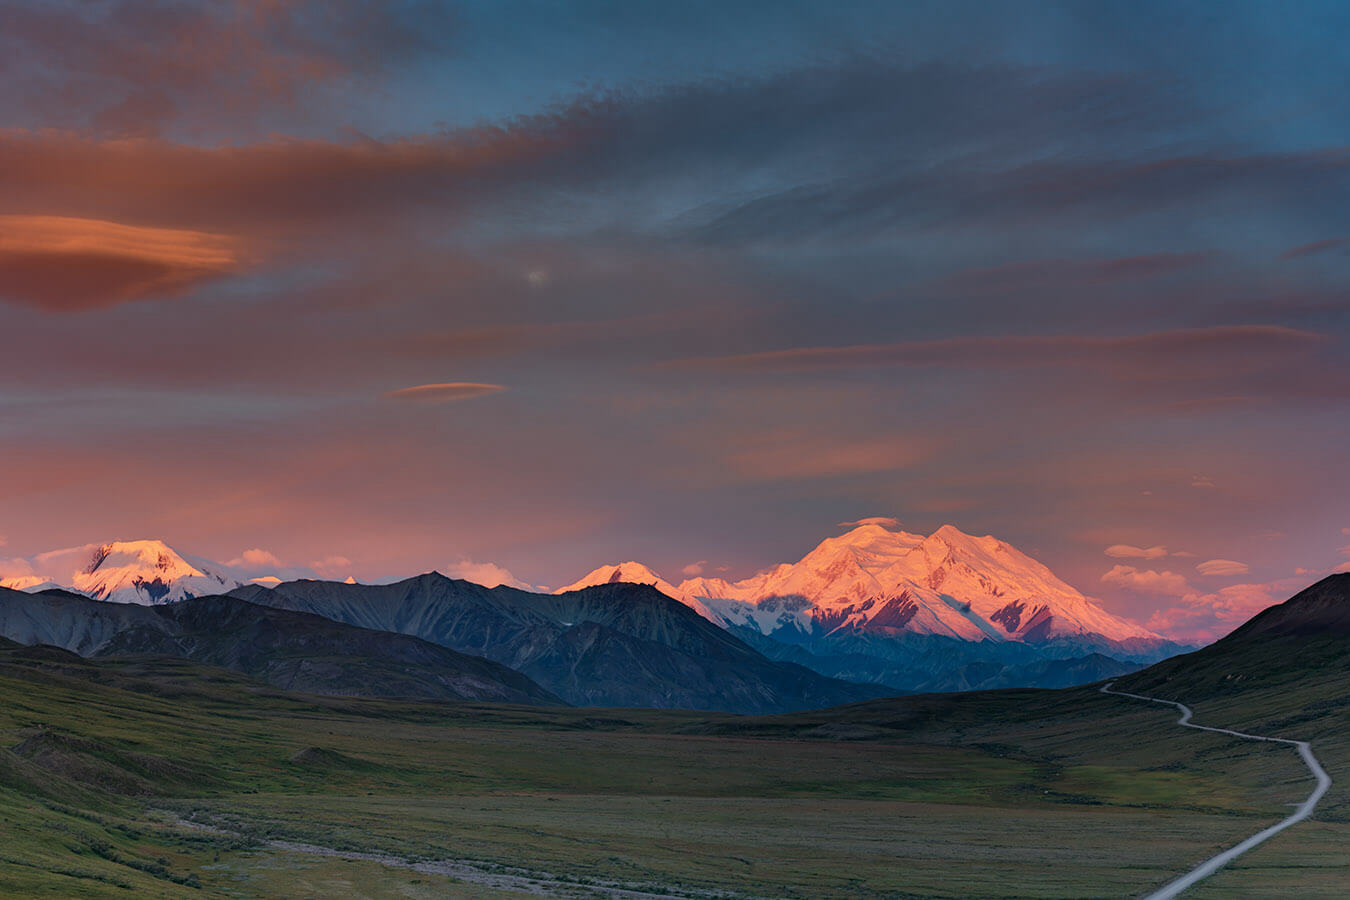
(433, 737)
(1027, 794)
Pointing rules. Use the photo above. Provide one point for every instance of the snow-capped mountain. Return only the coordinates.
(877, 581)
(637, 573)
(144, 572)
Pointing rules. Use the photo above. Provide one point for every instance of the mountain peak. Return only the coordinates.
(149, 572)
(146, 554)
(873, 533)
(948, 583)
(633, 572)
(955, 537)
(636, 573)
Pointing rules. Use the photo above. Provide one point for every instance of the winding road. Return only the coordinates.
(1212, 865)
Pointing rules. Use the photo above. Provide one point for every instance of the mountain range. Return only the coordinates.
(947, 611)
(875, 580)
(617, 644)
(145, 572)
(291, 650)
(875, 610)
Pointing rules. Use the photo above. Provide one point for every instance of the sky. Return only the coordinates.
(517, 289)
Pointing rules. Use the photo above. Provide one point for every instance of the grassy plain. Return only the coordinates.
(1010, 794)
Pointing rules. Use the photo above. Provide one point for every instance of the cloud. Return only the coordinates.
(1345, 551)
(1202, 481)
(1147, 581)
(1050, 191)
(883, 521)
(256, 559)
(331, 567)
(1128, 551)
(1338, 243)
(130, 67)
(487, 574)
(695, 569)
(841, 112)
(792, 456)
(1154, 355)
(1222, 567)
(67, 264)
(1074, 273)
(1204, 617)
(445, 393)
(15, 568)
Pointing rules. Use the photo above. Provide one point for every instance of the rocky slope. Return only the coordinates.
(613, 644)
(290, 650)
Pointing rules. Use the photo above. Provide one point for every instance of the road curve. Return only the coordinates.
(1212, 865)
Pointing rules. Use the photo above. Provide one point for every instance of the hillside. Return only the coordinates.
(292, 650)
(940, 796)
(1306, 638)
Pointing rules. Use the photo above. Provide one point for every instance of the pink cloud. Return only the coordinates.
(1201, 618)
(256, 559)
(1222, 567)
(1128, 551)
(448, 392)
(801, 455)
(883, 521)
(332, 566)
(1147, 581)
(487, 574)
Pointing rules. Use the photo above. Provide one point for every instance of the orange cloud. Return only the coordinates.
(66, 264)
(445, 393)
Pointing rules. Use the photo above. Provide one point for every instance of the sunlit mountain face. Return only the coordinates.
(368, 288)
(874, 579)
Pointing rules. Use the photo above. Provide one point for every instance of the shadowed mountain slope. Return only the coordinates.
(292, 650)
(1306, 637)
(615, 644)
